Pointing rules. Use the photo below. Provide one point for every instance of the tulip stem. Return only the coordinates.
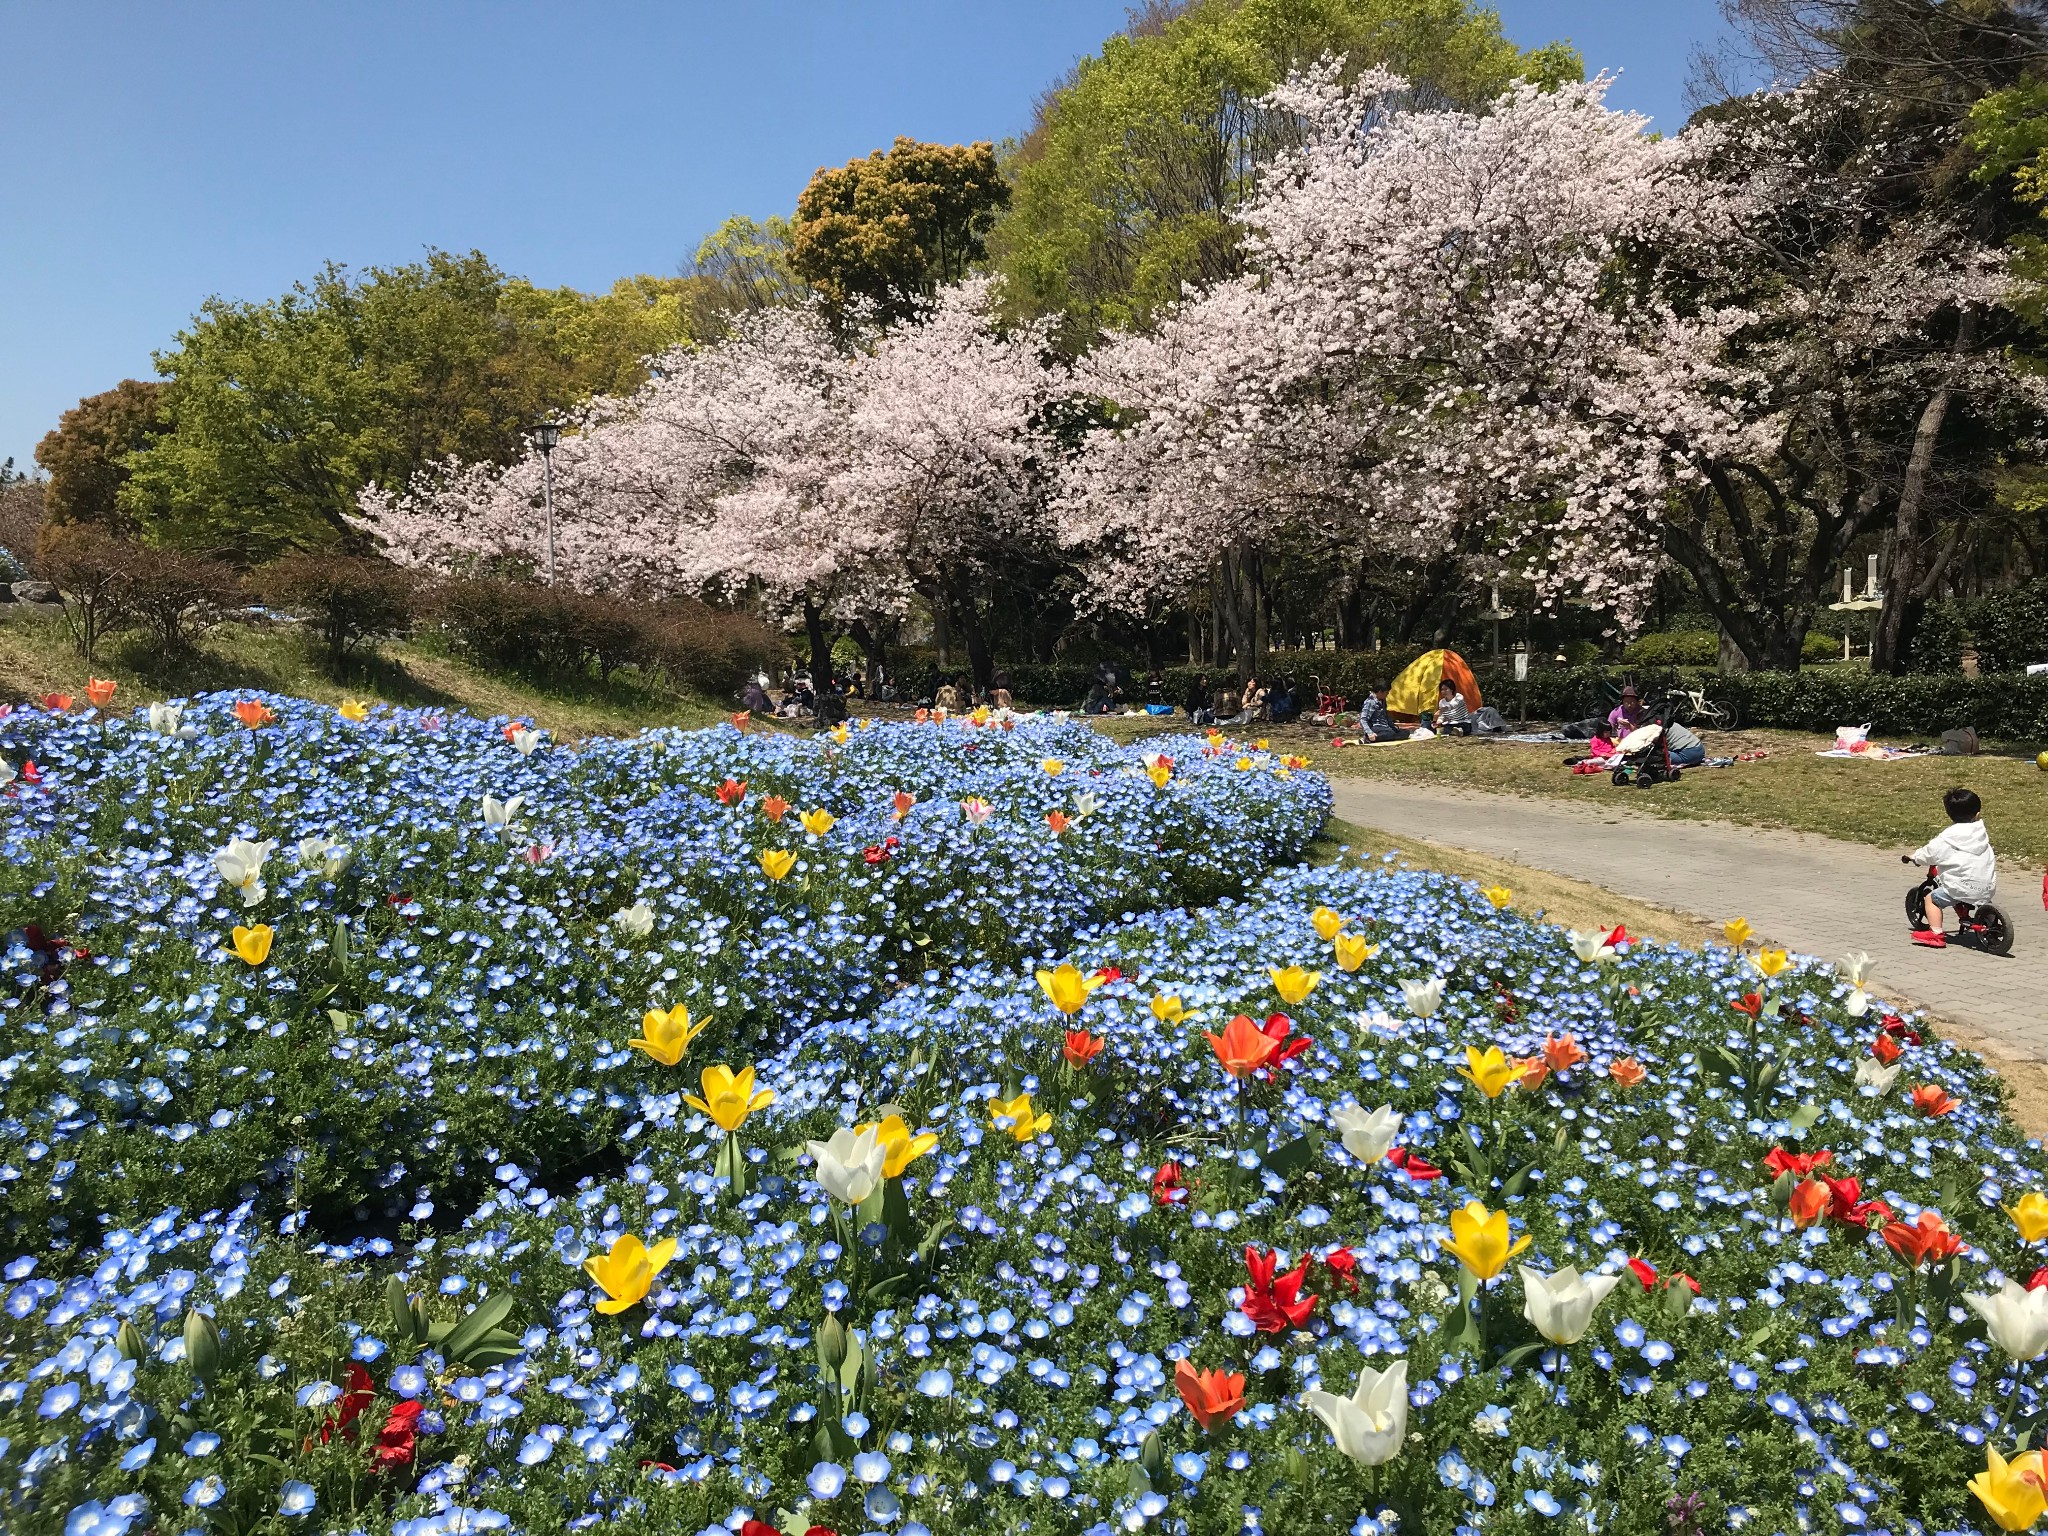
(2019, 1370)
(1243, 1140)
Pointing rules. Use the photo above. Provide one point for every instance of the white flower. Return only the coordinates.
(168, 720)
(2016, 1318)
(638, 919)
(7, 774)
(1855, 968)
(1589, 947)
(1858, 1002)
(1423, 997)
(1561, 1305)
(1367, 1134)
(850, 1164)
(526, 740)
(1376, 1018)
(240, 864)
(976, 809)
(326, 855)
(501, 813)
(1084, 805)
(1874, 1078)
(1369, 1425)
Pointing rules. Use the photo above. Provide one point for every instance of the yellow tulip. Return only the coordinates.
(253, 944)
(1053, 767)
(729, 1096)
(1023, 1124)
(1244, 765)
(1068, 987)
(1353, 951)
(900, 1148)
(1167, 1010)
(354, 709)
(1771, 961)
(1293, 984)
(626, 1274)
(1499, 895)
(1737, 931)
(1479, 1240)
(2030, 1215)
(1158, 773)
(665, 1036)
(1327, 923)
(818, 822)
(2011, 1491)
(1489, 1071)
(838, 733)
(777, 862)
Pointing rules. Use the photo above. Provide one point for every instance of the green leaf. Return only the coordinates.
(402, 1317)
(1290, 1158)
(928, 1250)
(1518, 1181)
(1520, 1356)
(1137, 1480)
(469, 1333)
(1804, 1118)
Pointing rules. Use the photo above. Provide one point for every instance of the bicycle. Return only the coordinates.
(1979, 925)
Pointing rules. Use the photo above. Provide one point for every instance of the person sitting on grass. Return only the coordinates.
(1199, 701)
(1452, 716)
(1628, 714)
(1374, 723)
(1684, 745)
(1962, 853)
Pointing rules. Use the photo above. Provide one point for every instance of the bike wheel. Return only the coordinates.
(1916, 906)
(1997, 931)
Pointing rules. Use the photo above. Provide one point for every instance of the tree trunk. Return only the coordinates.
(821, 645)
(873, 647)
(942, 634)
(979, 662)
(1914, 573)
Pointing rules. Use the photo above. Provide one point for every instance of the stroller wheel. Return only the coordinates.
(1677, 774)
(1620, 777)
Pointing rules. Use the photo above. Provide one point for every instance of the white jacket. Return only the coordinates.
(1962, 851)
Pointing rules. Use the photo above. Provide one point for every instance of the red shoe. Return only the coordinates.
(1930, 938)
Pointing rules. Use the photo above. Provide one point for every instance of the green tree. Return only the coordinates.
(86, 454)
(281, 411)
(1125, 184)
(741, 267)
(896, 225)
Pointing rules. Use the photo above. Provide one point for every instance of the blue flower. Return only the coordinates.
(297, 1498)
(826, 1480)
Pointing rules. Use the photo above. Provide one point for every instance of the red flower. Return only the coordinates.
(1110, 973)
(1276, 1029)
(1081, 1048)
(1342, 1264)
(1168, 1186)
(1275, 1304)
(1932, 1101)
(758, 1528)
(2038, 1279)
(1778, 1160)
(1885, 1049)
(876, 853)
(56, 703)
(1644, 1271)
(1899, 1029)
(1619, 937)
(362, 1391)
(1416, 1169)
(1846, 1202)
(1922, 1239)
(30, 773)
(1506, 1009)
(731, 792)
(1751, 1003)
(398, 1439)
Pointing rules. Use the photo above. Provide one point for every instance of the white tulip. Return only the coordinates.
(326, 855)
(1084, 806)
(1561, 1305)
(501, 813)
(1423, 997)
(1367, 1134)
(168, 720)
(1589, 947)
(1873, 1077)
(1376, 1018)
(240, 864)
(7, 773)
(1858, 1002)
(1370, 1425)
(2016, 1318)
(638, 919)
(526, 740)
(1855, 968)
(850, 1164)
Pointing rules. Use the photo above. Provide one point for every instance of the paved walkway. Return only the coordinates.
(1814, 894)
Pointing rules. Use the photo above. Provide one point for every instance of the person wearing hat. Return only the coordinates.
(1628, 714)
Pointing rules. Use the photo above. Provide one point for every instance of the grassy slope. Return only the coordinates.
(37, 657)
(1894, 805)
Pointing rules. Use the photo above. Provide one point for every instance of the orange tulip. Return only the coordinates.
(100, 690)
(1057, 820)
(254, 713)
(1928, 1237)
(774, 807)
(1562, 1055)
(57, 703)
(1627, 1072)
(1213, 1397)
(1081, 1047)
(1932, 1101)
(1885, 1049)
(1243, 1047)
(1810, 1202)
(739, 720)
(904, 798)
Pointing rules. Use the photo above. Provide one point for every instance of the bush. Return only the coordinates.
(176, 595)
(710, 651)
(89, 568)
(346, 599)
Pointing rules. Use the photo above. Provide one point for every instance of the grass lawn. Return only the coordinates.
(37, 657)
(1894, 805)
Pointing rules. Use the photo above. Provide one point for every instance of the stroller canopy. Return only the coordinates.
(1414, 692)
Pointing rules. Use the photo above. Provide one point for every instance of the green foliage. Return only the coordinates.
(2008, 629)
(1125, 184)
(741, 267)
(1702, 648)
(86, 455)
(897, 224)
(281, 411)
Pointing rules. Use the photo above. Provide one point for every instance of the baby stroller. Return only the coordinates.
(1645, 752)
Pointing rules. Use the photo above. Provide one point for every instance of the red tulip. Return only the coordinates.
(731, 792)
(1416, 1169)
(398, 1440)
(1928, 1237)
(1751, 1003)
(1168, 1186)
(1275, 1303)
(1213, 1397)
(2038, 1279)
(1081, 1048)
(1342, 1264)
(1779, 1161)
(1932, 1101)
(1644, 1272)
(1276, 1030)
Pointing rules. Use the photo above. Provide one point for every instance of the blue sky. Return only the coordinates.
(153, 154)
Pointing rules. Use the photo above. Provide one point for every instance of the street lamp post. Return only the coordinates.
(546, 435)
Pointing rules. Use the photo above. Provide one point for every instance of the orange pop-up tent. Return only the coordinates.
(1414, 692)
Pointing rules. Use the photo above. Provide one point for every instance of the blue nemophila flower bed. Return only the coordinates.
(450, 986)
(1081, 1276)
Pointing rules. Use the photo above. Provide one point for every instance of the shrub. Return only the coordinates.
(177, 595)
(90, 569)
(711, 651)
(346, 599)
